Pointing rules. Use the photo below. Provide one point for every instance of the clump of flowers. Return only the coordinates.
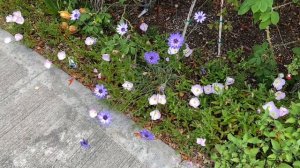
(122, 28)
(175, 40)
(61, 55)
(104, 117)
(146, 135)
(157, 99)
(100, 91)
(279, 95)
(152, 57)
(16, 17)
(274, 112)
(200, 17)
(75, 14)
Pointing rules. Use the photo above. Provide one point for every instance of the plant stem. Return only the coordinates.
(188, 18)
(269, 38)
(220, 29)
(277, 7)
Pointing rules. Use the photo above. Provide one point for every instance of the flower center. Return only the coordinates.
(122, 29)
(146, 135)
(151, 57)
(175, 40)
(200, 17)
(100, 91)
(105, 117)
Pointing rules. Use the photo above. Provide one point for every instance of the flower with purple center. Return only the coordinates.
(104, 118)
(152, 57)
(75, 14)
(122, 28)
(200, 17)
(176, 40)
(146, 135)
(85, 144)
(100, 91)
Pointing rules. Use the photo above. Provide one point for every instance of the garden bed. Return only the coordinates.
(232, 121)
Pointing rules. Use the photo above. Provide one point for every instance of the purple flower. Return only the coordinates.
(199, 16)
(104, 118)
(279, 95)
(122, 28)
(146, 135)
(85, 144)
(151, 57)
(75, 14)
(208, 89)
(100, 91)
(175, 40)
(278, 83)
(283, 111)
(272, 109)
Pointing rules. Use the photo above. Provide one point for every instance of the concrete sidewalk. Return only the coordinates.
(43, 121)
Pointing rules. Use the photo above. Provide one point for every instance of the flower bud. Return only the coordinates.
(64, 26)
(65, 15)
(72, 29)
(82, 10)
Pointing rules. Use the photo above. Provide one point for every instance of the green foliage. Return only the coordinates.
(294, 66)
(262, 63)
(267, 143)
(262, 11)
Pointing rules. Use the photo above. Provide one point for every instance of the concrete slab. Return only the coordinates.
(43, 120)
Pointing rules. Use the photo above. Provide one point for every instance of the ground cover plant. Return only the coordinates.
(238, 107)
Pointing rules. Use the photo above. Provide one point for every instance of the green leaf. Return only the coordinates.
(274, 17)
(265, 148)
(84, 17)
(264, 6)
(264, 25)
(272, 157)
(284, 165)
(296, 50)
(256, 6)
(254, 140)
(236, 160)
(265, 16)
(296, 164)
(291, 120)
(275, 145)
(52, 6)
(245, 7)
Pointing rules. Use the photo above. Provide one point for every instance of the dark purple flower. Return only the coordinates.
(100, 91)
(104, 118)
(85, 144)
(152, 57)
(175, 40)
(147, 135)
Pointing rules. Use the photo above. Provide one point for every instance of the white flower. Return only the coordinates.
(47, 64)
(9, 18)
(128, 85)
(61, 55)
(274, 112)
(122, 28)
(18, 37)
(208, 89)
(278, 83)
(201, 141)
(153, 100)
(218, 88)
(90, 41)
(19, 20)
(172, 50)
(144, 27)
(155, 115)
(161, 99)
(197, 90)
(194, 102)
(280, 75)
(93, 113)
(279, 95)
(99, 76)
(17, 17)
(95, 70)
(7, 40)
(106, 57)
(187, 51)
(229, 81)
